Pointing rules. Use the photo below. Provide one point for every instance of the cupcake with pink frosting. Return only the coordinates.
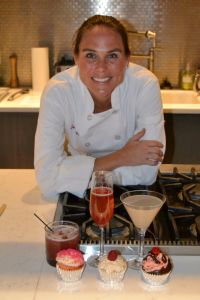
(156, 267)
(70, 264)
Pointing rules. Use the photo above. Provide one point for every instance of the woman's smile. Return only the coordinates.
(101, 80)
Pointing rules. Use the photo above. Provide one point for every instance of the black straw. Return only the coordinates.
(43, 222)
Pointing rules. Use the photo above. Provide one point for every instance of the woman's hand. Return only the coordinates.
(141, 152)
(136, 152)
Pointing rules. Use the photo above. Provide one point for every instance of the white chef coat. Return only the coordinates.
(67, 111)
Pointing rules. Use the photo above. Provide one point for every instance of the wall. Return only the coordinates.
(26, 23)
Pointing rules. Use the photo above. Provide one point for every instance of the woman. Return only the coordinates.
(107, 108)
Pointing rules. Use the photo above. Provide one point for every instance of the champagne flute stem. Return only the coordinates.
(101, 242)
(141, 246)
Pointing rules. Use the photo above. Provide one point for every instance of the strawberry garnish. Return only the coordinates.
(112, 255)
(155, 250)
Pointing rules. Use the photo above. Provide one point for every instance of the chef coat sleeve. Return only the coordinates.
(149, 115)
(55, 171)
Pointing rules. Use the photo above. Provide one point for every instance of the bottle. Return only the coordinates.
(187, 78)
(14, 82)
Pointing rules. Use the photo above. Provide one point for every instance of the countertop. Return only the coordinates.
(29, 102)
(174, 102)
(25, 275)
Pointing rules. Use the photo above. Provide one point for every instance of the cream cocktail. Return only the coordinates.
(142, 207)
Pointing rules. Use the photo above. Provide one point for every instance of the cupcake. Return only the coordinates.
(112, 267)
(156, 267)
(70, 264)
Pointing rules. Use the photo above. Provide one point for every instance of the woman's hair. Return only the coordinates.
(99, 20)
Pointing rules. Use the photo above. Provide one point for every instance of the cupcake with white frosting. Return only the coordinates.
(112, 267)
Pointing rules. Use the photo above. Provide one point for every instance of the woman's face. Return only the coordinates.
(102, 63)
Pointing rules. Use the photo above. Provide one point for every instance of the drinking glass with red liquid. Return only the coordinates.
(101, 206)
(60, 235)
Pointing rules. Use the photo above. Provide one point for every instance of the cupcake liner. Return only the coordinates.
(155, 279)
(70, 275)
(113, 277)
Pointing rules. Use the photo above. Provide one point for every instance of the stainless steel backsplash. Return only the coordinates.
(26, 23)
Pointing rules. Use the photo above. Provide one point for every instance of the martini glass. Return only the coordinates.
(101, 206)
(142, 207)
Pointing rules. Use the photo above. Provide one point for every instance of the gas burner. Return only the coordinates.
(114, 231)
(185, 227)
(191, 194)
(194, 191)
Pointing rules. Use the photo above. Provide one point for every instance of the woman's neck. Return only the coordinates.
(102, 105)
(101, 108)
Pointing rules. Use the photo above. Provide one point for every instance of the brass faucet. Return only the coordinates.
(150, 35)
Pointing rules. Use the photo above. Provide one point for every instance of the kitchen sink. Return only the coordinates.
(180, 101)
(180, 97)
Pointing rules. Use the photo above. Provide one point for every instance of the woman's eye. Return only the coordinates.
(113, 56)
(91, 55)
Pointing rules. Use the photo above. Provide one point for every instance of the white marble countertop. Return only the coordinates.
(25, 275)
(29, 102)
(174, 102)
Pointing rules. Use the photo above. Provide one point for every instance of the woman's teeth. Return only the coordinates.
(101, 79)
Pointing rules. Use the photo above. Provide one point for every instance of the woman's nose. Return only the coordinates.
(101, 63)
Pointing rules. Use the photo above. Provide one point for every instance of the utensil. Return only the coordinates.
(101, 206)
(3, 93)
(43, 222)
(17, 94)
(142, 207)
(2, 208)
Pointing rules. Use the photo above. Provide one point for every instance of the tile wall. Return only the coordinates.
(31, 23)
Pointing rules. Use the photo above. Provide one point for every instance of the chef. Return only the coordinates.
(107, 109)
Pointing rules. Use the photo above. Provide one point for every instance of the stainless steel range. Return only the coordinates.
(176, 228)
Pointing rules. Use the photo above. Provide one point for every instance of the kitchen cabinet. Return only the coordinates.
(183, 142)
(17, 132)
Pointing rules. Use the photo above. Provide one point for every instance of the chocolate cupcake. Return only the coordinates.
(156, 267)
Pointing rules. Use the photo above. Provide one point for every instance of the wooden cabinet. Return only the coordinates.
(17, 132)
(183, 138)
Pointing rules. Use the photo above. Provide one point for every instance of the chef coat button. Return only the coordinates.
(117, 137)
(87, 144)
(89, 117)
(114, 111)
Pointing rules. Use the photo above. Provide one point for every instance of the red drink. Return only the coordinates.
(101, 205)
(65, 235)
